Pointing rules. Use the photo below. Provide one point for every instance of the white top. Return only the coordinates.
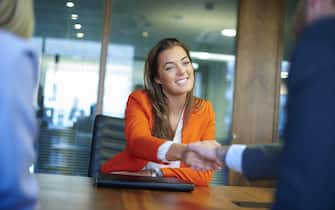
(162, 150)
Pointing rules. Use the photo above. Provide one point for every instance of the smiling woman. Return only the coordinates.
(164, 117)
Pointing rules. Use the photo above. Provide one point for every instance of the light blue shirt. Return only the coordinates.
(234, 157)
(18, 126)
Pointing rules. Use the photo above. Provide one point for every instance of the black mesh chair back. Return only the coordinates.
(107, 140)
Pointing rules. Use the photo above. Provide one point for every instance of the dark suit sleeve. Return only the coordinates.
(261, 161)
(307, 171)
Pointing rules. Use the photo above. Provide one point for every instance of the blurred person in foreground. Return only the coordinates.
(305, 163)
(18, 127)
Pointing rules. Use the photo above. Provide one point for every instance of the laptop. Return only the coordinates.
(142, 182)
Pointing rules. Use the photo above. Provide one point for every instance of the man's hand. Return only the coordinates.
(198, 162)
(206, 149)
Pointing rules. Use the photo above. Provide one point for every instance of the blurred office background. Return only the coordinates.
(68, 37)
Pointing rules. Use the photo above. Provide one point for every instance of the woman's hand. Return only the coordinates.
(192, 158)
(176, 152)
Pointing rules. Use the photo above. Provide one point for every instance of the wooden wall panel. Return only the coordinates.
(257, 76)
(103, 54)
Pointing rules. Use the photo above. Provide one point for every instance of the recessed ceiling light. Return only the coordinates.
(145, 34)
(77, 26)
(229, 32)
(69, 4)
(283, 74)
(195, 65)
(212, 56)
(80, 35)
(201, 55)
(74, 16)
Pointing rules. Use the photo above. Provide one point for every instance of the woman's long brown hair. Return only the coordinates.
(162, 128)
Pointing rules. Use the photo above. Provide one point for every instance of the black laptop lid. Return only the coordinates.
(142, 182)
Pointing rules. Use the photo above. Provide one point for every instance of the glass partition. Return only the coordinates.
(67, 37)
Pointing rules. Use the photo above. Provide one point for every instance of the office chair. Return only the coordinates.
(107, 140)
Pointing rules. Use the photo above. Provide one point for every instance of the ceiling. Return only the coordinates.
(196, 22)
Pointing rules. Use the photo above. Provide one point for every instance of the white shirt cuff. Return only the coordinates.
(162, 150)
(234, 157)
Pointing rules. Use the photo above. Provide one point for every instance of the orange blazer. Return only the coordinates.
(142, 146)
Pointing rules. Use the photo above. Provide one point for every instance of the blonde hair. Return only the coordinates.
(17, 16)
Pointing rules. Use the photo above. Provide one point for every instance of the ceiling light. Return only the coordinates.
(229, 32)
(283, 74)
(77, 26)
(69, 4)
(80, 35)
(201, 55)
(212, 56)
(145, 34)
(74, 17)
(195, 65)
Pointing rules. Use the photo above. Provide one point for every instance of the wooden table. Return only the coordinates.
(59, 192)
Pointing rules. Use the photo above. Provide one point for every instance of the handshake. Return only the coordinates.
(205, 155)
